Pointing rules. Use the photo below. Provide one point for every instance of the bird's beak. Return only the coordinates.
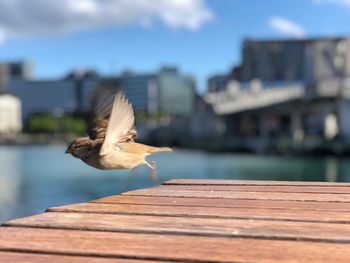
(68, 151)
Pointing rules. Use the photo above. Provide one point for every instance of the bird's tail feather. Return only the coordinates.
(160, 149)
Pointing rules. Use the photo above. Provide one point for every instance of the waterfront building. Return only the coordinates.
(140, 89)
(217, 83)
(10, 114)
(167, 91)
(307, 60)
(20, 69)
(63, 96)
(14, 70)
(297, 89)
(176, 92)
(220, 82)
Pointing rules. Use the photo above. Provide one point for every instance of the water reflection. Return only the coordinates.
(331, 171)
(9, 183)
(33, 178)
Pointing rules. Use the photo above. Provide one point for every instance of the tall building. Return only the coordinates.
(294, 87)
(308, 60)
(4, 78)
(20, 70)
(140, 89)
(166, 91)
(69, 95)
(220, 82)
(176, 92)
(217, 83)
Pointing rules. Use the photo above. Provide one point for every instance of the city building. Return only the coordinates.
(20, 70)
(176, 92)
(220, 82)
(140, 89)
(217, 83)
(297, 89)
(166, 91)
(10, 114)
(307, 60)
(63, 96)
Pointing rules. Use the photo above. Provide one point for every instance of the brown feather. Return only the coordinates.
(100, 125)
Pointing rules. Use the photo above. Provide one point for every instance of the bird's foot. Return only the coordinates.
(153, 167)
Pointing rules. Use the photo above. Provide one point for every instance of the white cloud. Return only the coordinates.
(2, 35)
(286, 27)
(35, 18)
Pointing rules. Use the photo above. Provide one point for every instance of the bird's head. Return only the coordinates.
(79, 148)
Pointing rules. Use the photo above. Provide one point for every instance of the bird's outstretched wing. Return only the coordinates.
(114, 122)
(103, 108)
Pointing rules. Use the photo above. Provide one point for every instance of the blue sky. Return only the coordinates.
(200, 37)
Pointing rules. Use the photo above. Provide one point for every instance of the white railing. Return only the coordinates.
(236, 99)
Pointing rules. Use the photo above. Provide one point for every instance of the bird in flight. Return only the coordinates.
(111, 143)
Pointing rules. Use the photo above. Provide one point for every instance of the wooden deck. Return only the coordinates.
(192, 221)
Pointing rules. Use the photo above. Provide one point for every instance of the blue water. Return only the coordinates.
(33, 178)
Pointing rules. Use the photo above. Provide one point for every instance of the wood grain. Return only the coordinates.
(231, 203)
(259, 188)
(191, 221)
(164, 247)
(188, 226)
(243, 195)
(12, 257)
(252, 182)
(210, 212)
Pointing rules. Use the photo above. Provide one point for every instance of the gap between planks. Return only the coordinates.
(331, 198)
(20, 256)
(257, 188)
(224, 203)
(251, 182)
(167, 247)
(218, 227)
(209, 212)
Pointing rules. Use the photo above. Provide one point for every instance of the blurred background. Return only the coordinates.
(255, 90)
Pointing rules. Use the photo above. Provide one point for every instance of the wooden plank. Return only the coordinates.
(188, 226)
(193, 211)
(243, 195)
(252, 182)
(258, 188)
(19, 257)
(165, 247)
(229, 203)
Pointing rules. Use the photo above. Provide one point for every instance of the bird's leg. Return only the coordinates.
(153, 168)
(149, 165)
(154, 165)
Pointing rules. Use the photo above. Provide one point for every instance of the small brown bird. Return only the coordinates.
(111, 144)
